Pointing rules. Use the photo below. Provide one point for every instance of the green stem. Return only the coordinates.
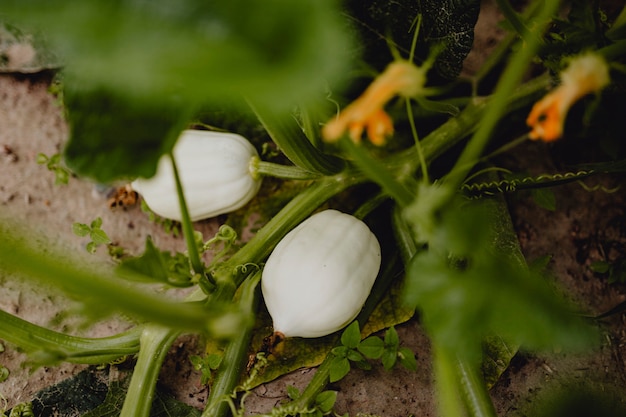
(264, 168)
(473, 390)
(188, 233)
(374, 169)
(292, 141)
(235, 355)
(102, 290)
(62, 347)
(418, 145)
(514, 20)
(446, 383)
(155, 342)
(299, 208)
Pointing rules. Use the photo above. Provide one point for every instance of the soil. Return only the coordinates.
(574, 235)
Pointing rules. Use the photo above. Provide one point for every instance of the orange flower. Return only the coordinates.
(585, 74)
(367, 113)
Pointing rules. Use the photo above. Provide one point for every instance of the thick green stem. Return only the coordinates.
(473, 390)
(232, 366)
(235, 269)
(155, 342)
(292, 141)
(62, 347)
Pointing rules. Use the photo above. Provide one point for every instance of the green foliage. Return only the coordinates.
(159, 266)
(94, 231)
(615, 271)
(357, 351)
(54, 164)
(137, 71)
(468, 289)
(207, 365)
(323, 404)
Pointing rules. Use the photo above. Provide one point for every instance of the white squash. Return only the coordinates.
(318, 277)
(215, 172)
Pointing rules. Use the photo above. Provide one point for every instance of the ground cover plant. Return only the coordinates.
(361, 109)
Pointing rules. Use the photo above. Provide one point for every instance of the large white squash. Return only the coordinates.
(318, 277)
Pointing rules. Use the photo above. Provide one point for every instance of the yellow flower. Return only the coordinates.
(367, 113)
(585, 74)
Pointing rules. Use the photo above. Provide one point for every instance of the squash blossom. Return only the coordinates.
(366, 112)
(584, 75)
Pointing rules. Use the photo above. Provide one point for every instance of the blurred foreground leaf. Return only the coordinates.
(136, 70)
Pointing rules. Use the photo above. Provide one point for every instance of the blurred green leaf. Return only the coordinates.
(135, 71)
(155, 265)
(544, 197)
(482, 290)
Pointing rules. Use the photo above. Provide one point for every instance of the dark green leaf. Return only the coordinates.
(325, 401)
(339, 368)
(351, 336)
(372, 347)
(115, 135)
(355, 356)
(136, 71)
(600, 267)
(340, 351)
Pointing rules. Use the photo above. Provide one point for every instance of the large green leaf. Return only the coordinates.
(136, 70)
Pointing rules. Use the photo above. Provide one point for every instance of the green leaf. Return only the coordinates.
(4, 373)
(115, 135)
(372, 347)
(600, 267)
(355, 356)
(407, 358)
(392, 341)
(91, 247)
(487, 291)
(99, 237)
(325, 401)
(389, 358)
(158, 266)
(339, 368)
(545, 198)
(351, 336)
(293, 392)
(96, 223)
(81, 229)
(135, 72)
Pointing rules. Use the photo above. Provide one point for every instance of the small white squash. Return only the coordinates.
(215, 172)
(318, 277)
